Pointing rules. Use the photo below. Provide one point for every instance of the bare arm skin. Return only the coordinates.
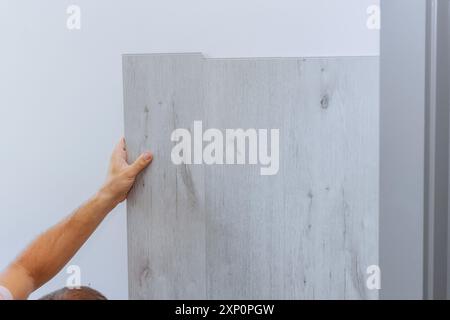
(50, 252)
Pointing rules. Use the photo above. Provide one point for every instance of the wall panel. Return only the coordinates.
(228, 232)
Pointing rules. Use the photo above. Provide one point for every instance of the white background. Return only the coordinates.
(61, 96)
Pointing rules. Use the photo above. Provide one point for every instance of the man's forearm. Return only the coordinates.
(48, 254)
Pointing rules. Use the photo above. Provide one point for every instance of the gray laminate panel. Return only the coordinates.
(226, 231)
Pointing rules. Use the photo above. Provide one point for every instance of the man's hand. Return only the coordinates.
(46, 255)
(121, 175)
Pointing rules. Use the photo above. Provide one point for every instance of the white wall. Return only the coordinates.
(61, 96)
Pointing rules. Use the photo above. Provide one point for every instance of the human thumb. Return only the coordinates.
(141, 163)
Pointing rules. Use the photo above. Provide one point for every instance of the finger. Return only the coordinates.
(141, 163)
(120, 150)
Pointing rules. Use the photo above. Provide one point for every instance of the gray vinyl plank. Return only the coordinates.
(228, 232)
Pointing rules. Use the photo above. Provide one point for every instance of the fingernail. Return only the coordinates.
(148, 156)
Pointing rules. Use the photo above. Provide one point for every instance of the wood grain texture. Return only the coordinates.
(225, 231)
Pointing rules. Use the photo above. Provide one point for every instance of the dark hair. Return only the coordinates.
(83, 293)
